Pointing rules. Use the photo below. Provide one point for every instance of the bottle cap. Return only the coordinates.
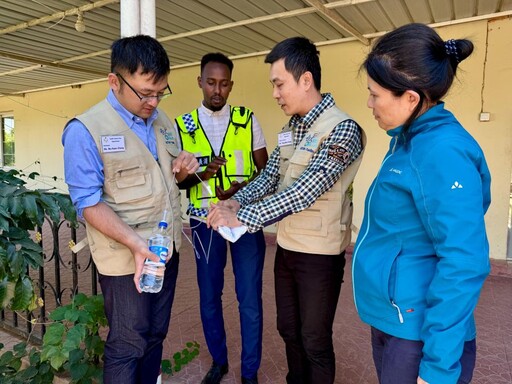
(162, 224)
(163, 221)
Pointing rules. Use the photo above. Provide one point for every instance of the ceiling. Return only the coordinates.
(41, 49)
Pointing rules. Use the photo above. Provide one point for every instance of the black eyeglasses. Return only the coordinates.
(147, 98)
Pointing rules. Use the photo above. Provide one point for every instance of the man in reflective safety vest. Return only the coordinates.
(228, 143)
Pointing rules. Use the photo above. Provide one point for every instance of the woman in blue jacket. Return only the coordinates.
(422, 254)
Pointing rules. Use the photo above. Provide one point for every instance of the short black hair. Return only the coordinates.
(414, 57)
(140, 51)
(300, 55)
(216, 57)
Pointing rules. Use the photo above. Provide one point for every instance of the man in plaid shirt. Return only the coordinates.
(305, 186)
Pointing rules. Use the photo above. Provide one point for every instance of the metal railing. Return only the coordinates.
(62, 276)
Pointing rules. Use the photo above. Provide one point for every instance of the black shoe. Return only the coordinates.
(215, 374)
(254, 380)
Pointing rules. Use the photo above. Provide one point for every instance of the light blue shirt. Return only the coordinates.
(83, 167)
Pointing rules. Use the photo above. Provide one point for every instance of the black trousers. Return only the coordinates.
(398, 360)
(138, 324)
(307, 291)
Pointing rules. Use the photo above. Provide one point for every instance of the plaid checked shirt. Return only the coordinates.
(319, 176)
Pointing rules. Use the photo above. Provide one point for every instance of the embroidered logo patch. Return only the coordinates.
(168, 136)
(338, 154)
(311, 141)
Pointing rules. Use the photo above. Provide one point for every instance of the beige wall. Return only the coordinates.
(40, 117)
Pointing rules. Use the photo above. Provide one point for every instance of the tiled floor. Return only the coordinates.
(351, 337)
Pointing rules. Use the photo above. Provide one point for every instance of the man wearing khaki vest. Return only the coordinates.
(122, 165)
(306, 188)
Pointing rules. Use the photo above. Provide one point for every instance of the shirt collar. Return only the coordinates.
(417, 124)
(128, 117)
(309, 118)
(223, 111)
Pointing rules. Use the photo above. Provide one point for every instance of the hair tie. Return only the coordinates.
(451, 49)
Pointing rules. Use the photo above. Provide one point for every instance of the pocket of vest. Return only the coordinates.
(130, 185)
(308, 222)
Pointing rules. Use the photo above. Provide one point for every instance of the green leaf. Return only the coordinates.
(58, 360)
(79, 299)
(84, 317)
(16, 262)
(78, 371)
(44, 368)
(32, 258)
(166, 367)
(58, 313)
(20, 349)
(31, 253)
(95, 345)
(66, 206)
(8, 190)
(74, 337)
(29, 373)
(51, 206)
(49, 351)
(4, 299)
(23, 292)
(76, 356)
(5, 216)
(32, 175)
(72, 314)
(16, 364)
(6, 358)
(4, 224)
(30, 244)
(30, 206)
(53, 335)
(34, 357)
(15, 205)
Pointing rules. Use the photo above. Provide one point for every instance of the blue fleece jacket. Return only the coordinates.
(422, 253)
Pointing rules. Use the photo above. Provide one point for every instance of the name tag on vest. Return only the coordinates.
(284, 138)
(112, 144)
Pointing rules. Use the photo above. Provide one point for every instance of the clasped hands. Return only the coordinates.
(223, 214)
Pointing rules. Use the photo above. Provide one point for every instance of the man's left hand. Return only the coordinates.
(421, 381)
(224, 194)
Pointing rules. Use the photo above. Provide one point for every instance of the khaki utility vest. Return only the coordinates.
(136, 187)
(236, 149)
(325, 227)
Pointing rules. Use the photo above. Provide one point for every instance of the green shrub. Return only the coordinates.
(21, 210)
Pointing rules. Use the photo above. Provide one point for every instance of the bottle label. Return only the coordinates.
(160, 251)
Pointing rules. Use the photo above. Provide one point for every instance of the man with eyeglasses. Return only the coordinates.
(122, 165)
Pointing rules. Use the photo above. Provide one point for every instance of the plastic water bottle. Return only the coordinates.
(152, 277)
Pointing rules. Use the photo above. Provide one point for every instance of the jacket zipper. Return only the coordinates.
(354, 256)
